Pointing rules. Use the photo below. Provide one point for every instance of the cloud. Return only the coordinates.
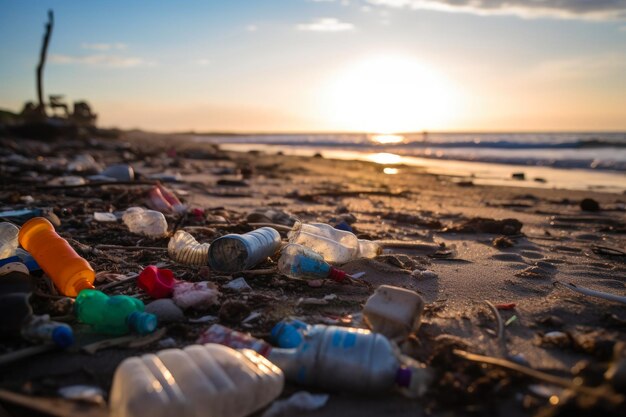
(326, 24)
(564, 9)
(252, 28)
(100, 60)
(103, 46)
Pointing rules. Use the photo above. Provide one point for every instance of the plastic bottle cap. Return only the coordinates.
(158, 283)
(142, 323)
(63, 336)
(336, 274)
(403, 377)
(287, 334)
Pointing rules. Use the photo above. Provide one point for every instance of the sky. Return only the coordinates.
(326, 65)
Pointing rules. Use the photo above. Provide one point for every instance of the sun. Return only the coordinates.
(390, 93)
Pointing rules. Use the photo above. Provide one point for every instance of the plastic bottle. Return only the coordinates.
(158, 283)
(335, 358)
(300, 262)
(185, 249)
(145, 222)
(336, 246)
(233, 253)
(197, 381)
(393, 311)
(8, 239)
(42, 329)
(115, 315)
(69, 272)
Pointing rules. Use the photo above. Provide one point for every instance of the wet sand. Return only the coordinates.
(558, 242)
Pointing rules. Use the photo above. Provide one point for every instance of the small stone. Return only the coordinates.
(166, 310)
(425, 274)
(556, 338)
(589, 204)
(520, 176)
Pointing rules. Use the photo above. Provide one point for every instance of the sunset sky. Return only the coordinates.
(326, 65)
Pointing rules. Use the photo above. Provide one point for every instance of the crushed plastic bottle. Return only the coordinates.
(185, 249)
(145, 222)
(393, 311)
(69, 272)
(199, 380)
(335, 246)
(297, 261)
(115, 315)
(8, 239)
(337, 358)
(157, 282)
(233, 253)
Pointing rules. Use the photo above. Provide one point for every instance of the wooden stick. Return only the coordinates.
(42, 62)
(593, 293)
(116, 283)
(155, 248)
(57, 407)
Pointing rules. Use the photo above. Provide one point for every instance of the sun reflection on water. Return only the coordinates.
(390, 171)
(385, 158)
(385, 139)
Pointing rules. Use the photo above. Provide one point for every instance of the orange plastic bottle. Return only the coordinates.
(69, 272)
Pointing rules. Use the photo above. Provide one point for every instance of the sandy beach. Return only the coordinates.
(444, 224)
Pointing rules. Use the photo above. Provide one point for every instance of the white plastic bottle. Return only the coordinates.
(336, 246)
(145, 222)
(198, 381)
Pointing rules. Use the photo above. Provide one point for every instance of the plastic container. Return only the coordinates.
(42, 329)
(145, 222)
(185, 249)
(158, 283)
(393, 311)
(197, 381)
(233, 253)
(335, 246)
(234, 339)
(115, 315)
(8, 239)
(70, 273)
(300, 262)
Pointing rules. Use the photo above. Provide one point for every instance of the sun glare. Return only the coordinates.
(387, 139)
(390, 94)
(384, 158)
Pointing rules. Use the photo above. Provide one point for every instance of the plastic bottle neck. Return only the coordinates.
(83, 284)
(142, 323)
(336, 274)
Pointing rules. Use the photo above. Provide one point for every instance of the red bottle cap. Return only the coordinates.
(158, 283)
(336, 274)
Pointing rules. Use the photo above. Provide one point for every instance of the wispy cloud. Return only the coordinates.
(104, 46)
(564, 9)
(598, 66)
(326, 24)
(100, 60)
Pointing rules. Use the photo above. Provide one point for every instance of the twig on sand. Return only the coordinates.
(604, 392)
(500, 325)
(116, 283)
(25, 353)
(151, 248)
(593, 293)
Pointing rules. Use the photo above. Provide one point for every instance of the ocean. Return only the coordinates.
(593, 161)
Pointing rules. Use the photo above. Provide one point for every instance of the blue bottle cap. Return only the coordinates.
(142, 323)
(287, 335)
(63, 336)
(344, 226)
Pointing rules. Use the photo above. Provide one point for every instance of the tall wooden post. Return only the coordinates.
(42, 62)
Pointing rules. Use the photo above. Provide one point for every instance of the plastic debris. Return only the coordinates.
(22, 215)
(506, 306)
(8, 239)
(234, 339)
(238, 284)
(145, 222)
(119, 172)
(185, 249)
(300, 262)
(69, 271)
(83, 393)
(233, 253)
(265, 215)
(297, 403)
(165, 310)
(9, 267)
(115, 315)
(394, 312)
(212, 379)
(335, 246)
(196, 295)
(158, 283)
(104, 217)
(424, 274)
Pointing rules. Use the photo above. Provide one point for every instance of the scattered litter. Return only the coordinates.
(263, 215)
(508, 306)
(238, 284)
(145, 222)
(8, 239)
(510, 320)
(299, 402)
(195, 295)
(593, 293)
(394, 312)
(104, 217)
(204, 319)
(156, 282)
(233, 253)
(185, 249)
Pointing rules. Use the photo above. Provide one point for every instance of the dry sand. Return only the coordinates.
(558, 241)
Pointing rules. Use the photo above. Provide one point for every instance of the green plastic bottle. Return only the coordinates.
(115, 315)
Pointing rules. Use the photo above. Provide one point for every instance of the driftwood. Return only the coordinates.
(42, 61)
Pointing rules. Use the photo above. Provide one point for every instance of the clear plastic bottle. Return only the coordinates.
(185, 249)
(297, 261)
(197, 381)
(8, 239)
(69, 272)
(115, 315)
(233, 253)
(145, 222)
(336, 246)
